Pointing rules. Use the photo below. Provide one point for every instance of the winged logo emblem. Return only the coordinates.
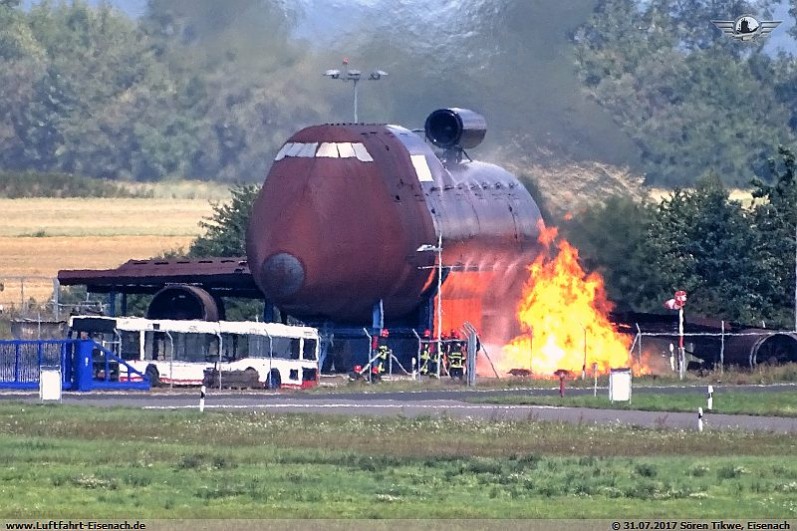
(746, 27)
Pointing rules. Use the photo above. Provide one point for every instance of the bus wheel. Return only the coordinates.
(273, 381)
(153, 376)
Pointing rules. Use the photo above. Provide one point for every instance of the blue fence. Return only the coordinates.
(21, 362)
(85, 365)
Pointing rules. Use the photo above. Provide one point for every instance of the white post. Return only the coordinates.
(639, 343)
(202, 399)
(56, 301)
(672, 357)
(416, 361)
(681, 353)
(710, 401)
(595, 375)
(700, 419)
(722, 349)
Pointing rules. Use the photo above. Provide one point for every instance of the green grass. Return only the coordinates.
(731, 376)
(109, 463)
(781, 403)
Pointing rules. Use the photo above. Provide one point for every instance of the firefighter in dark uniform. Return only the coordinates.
(424, 363)
(381, 355)
(456, 357)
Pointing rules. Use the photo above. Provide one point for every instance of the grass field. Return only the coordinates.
(761, 375)
(109, 463)
(782, 403)
(40, 236)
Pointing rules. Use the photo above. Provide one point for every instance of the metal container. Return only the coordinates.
(345, 207)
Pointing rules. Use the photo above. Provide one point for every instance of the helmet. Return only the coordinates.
(427, 333)
(384, 333)
(454, 334)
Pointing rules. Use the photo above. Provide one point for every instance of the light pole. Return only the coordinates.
(439, 304)
(354, 76)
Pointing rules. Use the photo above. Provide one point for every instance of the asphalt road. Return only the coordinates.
(431, 403)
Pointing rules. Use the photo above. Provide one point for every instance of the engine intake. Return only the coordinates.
(451, 128)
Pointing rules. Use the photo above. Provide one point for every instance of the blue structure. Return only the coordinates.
(85, 365)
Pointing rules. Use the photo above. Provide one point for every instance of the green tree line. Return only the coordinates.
(693, 100)
(737, 262)
(89, 91)
(209, 90)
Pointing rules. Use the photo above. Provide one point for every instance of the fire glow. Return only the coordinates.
(564, 315)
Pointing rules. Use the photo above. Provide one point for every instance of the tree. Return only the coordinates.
(775, 223)
(690, 98)
(612, 239)
(696, 240)
(225, 235)
(701, 241)
(248, 76)
(225, 230)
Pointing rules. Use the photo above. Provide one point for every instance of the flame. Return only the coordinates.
(564, 315)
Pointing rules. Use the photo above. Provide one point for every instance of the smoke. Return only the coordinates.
(510, 60)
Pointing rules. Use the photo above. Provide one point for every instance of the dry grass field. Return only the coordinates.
(745, 197)
(39, 236)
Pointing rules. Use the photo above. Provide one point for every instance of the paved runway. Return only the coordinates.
(431, 403)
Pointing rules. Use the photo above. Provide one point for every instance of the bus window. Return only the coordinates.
(285, 348)
(295, 349)
(156, 346)
(130, 346)
(257, 347)
(191, 347)
(234, 348)
(309, 352)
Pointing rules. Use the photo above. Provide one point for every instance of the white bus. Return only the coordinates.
(178, 352)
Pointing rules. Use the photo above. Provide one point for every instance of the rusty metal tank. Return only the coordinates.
(345, 207)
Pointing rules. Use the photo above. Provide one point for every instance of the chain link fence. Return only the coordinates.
(36, 307)
(745, 348)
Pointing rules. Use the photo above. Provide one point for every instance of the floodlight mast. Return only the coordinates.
(354, 76)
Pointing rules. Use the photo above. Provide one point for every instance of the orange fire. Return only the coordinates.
(563, 312)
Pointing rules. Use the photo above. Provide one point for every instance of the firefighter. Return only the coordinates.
(426, 353)
(456, 357)
(381, 356)
(442, 358)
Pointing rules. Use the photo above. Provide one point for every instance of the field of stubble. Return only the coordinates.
(39, 236)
